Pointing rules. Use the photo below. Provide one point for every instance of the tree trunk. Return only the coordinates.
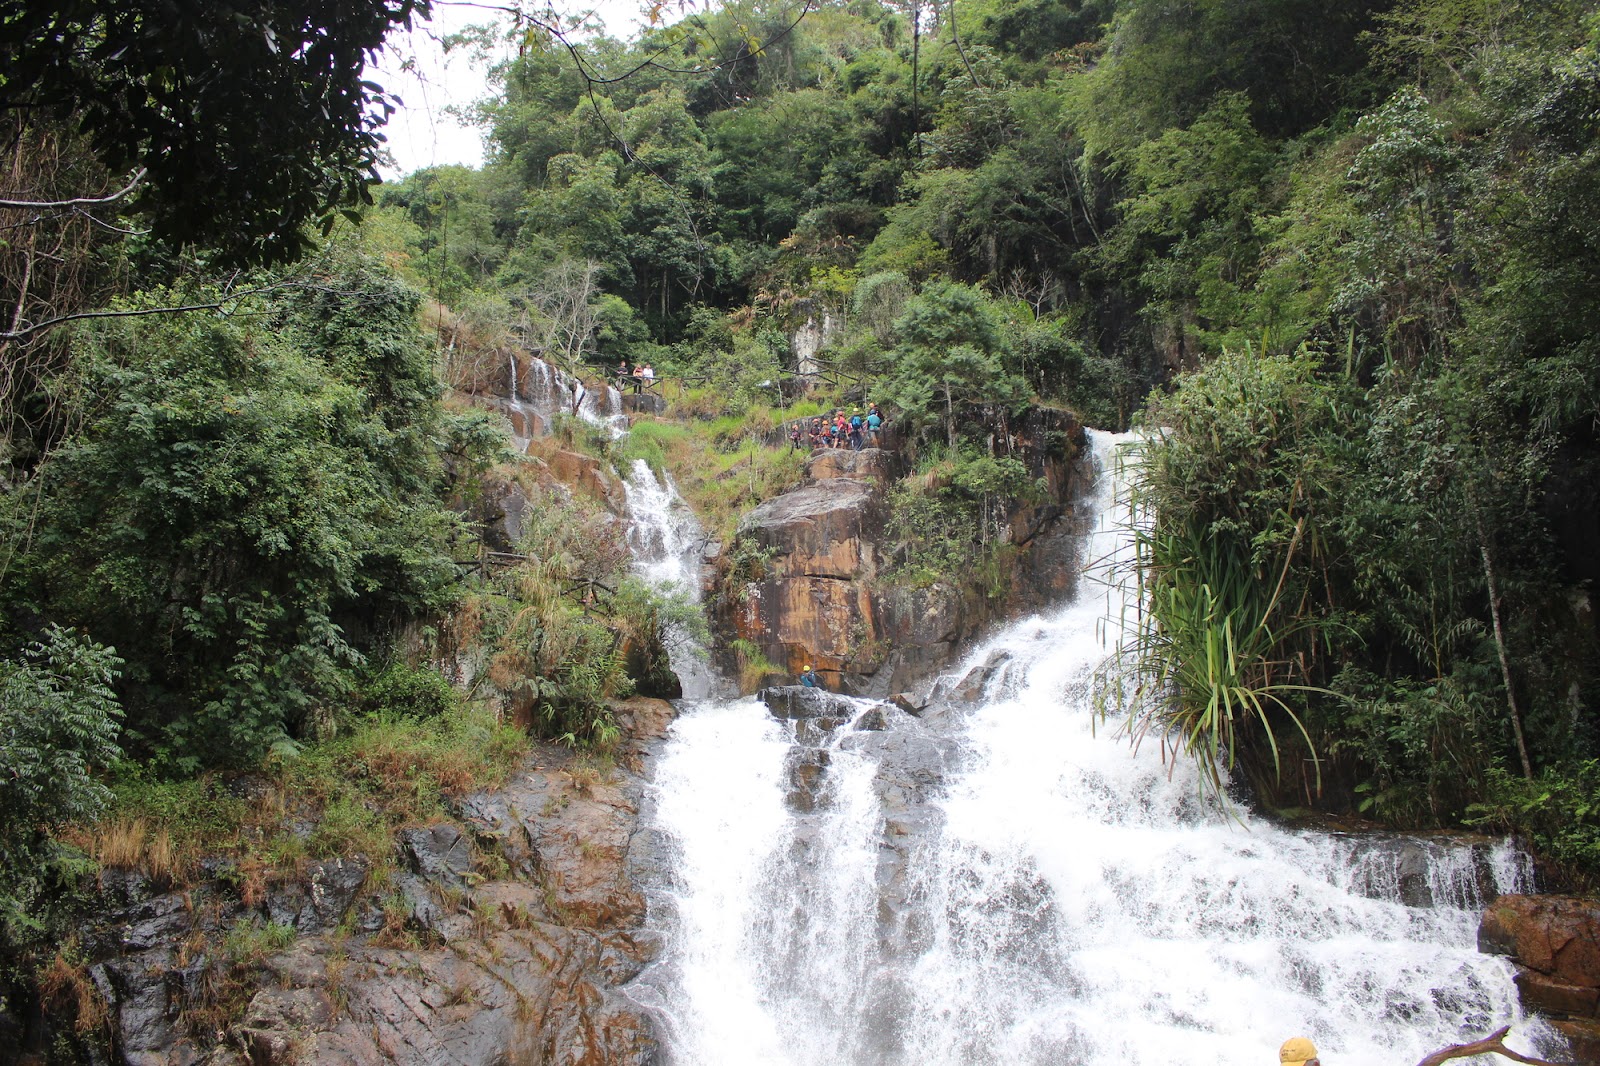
(1500, 643)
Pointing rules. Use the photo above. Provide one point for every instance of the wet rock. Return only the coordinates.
(1556, 935)
(800, 702)
(872, 718)
(500, 508)
(1583, 1038)
(869, 463)
(441, 854)
(1542, 993)
(1410, 869)
(643, 403)
(822, 529)
(805, 768)
(155, 922)
(276, 1016)
(520, 969)
(1555, 941)
(819, 598)
(907, 703)
(587, 475)
(317, 904)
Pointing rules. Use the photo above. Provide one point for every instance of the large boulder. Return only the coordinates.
(1555, 941)
(842, 463)
(587, 475)
(822, 529)
(1558, 936)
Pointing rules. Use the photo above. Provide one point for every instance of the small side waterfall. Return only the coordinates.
(667, 547)
(544, 392)
(603, 407)
(1002, 881)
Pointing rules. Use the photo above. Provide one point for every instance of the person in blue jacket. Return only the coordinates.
(809, 678)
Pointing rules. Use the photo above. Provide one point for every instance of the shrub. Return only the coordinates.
(417, 691)
(58, 723)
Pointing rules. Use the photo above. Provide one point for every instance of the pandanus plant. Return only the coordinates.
(1214, 651)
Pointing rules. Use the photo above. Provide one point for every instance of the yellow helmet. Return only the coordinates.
(1296, 1051)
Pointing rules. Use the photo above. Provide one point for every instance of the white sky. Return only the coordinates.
(421, 134)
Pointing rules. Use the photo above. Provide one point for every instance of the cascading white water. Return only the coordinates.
(545, 392)
(667, 545)
(1004, 882)
(603, 407)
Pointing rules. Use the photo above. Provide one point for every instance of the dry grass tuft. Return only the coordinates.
(65, 989)
(127, 842)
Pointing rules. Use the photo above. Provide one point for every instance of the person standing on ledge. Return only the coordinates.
(809, 678)
(1298, 1051)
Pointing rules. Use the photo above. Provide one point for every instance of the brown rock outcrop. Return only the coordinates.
(1555, 941)
(588, 475)
(803, 583)
(500, 937)
(814, 601)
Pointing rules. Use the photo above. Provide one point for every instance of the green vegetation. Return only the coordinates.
(58, 722)
(543, 636)
(944, 521)
(250, 493)
(722, 466)
(380, 772)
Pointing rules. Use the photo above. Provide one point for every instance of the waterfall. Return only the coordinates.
(603, 407)
(667, 545)
(535, 403)
(1003, 880)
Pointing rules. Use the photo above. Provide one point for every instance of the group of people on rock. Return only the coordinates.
(854, 431)
(641, 376)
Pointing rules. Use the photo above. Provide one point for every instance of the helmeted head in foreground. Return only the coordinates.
(1297, 1051)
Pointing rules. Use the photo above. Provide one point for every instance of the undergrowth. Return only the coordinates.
(353, 791)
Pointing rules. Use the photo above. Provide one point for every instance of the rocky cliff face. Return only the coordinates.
(501, 937)
(805, 579)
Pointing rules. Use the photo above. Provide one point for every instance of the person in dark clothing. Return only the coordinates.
(809, 678)
(794, 437)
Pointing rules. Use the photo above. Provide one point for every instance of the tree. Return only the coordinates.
(260, 113)
(950, 356)
(561, 312)
(255, 501)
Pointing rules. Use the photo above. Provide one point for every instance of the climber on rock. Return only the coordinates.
(809, 678)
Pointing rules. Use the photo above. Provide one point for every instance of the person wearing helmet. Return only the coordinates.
(809, 678)
(1298, 1051)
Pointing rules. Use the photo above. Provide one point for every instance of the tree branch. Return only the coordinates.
(222, 304)
(1493, 1044)
(81, 201)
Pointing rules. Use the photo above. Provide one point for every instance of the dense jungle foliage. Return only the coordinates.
(1349, 249)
